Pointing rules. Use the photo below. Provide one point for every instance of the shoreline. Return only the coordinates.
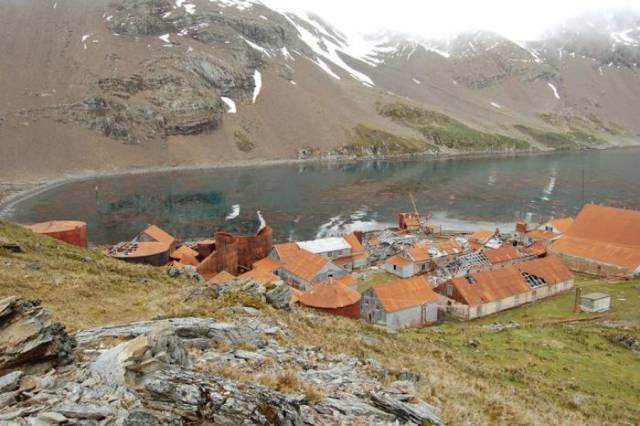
(28, 189)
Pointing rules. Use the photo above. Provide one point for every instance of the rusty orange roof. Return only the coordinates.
(403, 294)
(604, 234)
(562, 224)
(552, 269)
(261, 275)
(538, 248)
(356, 246)
(300, 262)
(540, 234)
(348, 280)
(54, 226)
(221, 278)
(187, 259)
(398, 261)
(450, 246)
(502, 254)
(490, 286)
(329, 295)
(157, 234)
(295, 295)
(419, 253)
(482, 236)
(267, 264)
(183, 250)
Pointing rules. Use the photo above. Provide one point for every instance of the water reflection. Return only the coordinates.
(307, 200)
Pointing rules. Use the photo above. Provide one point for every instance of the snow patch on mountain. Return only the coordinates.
(231, 105)
(555, 91)
(495, 105)
(257, 79)
(256, 46)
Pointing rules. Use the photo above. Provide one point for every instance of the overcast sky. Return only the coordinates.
(517, 19)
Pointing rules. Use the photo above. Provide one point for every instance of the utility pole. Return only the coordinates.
(583, 196)
(576, 302)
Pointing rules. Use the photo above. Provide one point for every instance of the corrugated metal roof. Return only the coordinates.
(398, 261)
(605, 234)
(541, 234)
(325, 245)
(329, 295)
(53, 226)
(562, 224)
(552, 269)
(183, 250)
(262, 276)
(502, 254)
(267, 264)
(419, 253)
(482, 236)
(221, 278)
(490, 286)
(300, 262)
(159, 235)
(356, 246)
(403, 294)
(538, 248)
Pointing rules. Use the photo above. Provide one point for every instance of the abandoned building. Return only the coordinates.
(484, 293)
(154, 253)
(413, 261)
(301, 268)
(602, 241)
(409, 222)
(402, 303)
(485, 238)
(346, 252)
(69, 231)
(238, 244)
(332, 297)
(154, 233)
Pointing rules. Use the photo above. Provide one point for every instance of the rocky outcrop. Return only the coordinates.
(194, 370)
(28, 337)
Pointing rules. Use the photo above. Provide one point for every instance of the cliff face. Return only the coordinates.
(105, 84)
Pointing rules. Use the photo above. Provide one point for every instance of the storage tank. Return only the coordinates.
(334, 298)
(144, 252)
(70, 231)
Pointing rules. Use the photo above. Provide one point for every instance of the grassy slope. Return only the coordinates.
(444, 130)
(528, 375)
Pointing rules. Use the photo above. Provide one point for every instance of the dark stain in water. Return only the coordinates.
(302, 201)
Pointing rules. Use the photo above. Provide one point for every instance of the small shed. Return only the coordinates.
(595, 302)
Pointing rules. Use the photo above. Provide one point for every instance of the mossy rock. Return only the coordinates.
(243, 143)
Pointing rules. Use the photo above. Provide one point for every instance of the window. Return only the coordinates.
(449, 290)
(395, 268)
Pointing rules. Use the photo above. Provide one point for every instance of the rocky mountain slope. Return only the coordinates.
(141, 83)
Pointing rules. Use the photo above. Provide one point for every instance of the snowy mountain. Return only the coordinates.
(130, 83)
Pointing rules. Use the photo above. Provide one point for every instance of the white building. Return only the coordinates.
(402, 303)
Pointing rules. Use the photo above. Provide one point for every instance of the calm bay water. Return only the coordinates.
(302, 201)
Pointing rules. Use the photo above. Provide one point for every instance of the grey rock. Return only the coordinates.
(402, 390)
(52, 417)
(85, 411)
(280, 296)
(250, 356)
(10, 382)
(8, 398)
(420, 413)
(28, 337)
(222, 401)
